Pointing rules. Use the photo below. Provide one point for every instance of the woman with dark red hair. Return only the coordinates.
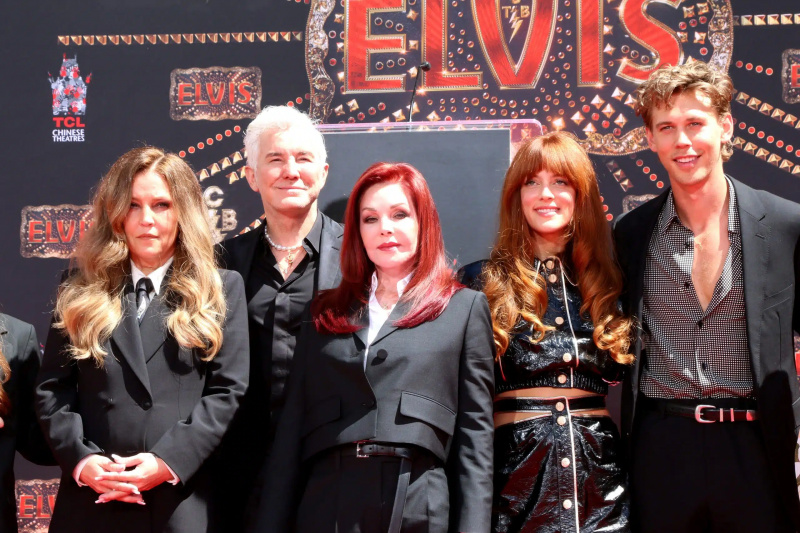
(388, 419)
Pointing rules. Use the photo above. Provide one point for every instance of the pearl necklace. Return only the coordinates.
(289, 256)
(278, 246)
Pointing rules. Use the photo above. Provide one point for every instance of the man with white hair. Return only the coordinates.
(284, 262)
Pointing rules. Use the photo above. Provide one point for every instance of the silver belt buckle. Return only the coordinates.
(698, 414)
(359, 453)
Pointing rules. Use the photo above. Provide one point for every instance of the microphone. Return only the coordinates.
(424, 66)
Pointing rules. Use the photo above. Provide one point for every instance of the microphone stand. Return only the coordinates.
(424, 66)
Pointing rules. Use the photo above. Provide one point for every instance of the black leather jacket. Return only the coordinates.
(567, 357)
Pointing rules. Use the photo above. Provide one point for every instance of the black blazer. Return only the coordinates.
(770, 228)
(151, 395)
(238, 254)
(430, 386)
(246, 447)
(21, 431)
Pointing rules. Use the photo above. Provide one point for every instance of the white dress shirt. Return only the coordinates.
(377, 314)
(156, 276)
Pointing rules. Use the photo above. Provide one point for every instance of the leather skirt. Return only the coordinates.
(558, 473)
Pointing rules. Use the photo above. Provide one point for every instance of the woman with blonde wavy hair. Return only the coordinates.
(553, 285)
(147, 356)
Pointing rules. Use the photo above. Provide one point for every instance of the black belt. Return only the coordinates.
(706, 411)
(406, 454)
(373, 449)
(548, 404)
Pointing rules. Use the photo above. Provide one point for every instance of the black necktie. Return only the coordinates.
(143, 289)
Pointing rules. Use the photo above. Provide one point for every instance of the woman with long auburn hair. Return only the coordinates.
(387, 424)
(553, 285)
(147, 356)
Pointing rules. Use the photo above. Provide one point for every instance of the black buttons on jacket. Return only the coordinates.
(147, 404)
(368, 404)
(381, 355)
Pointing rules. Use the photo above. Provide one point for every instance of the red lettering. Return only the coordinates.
(26, 508)
(526, 71)
(184, 94)
(244, 90)
(361, 44)
(82, 227)
(66, 237)
(51, 501)
(215, 96)
(48, 233)
(40, 513)
(590, 42)
(69, 122)
(34, 233)
(79, 122)
(795, 76)
(230, 92)
(58, 121)
(198, 95)
(434, 50)
(650, 33)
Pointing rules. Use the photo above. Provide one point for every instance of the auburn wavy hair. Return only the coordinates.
(89, 304)
(432, 284)
(512, 285)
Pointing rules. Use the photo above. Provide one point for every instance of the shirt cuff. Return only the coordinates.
(175, 479)
(76, 473)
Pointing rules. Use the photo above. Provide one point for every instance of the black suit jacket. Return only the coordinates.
(430, 386)
(21, 431)
(247, 445)
(770, 228)
(151, 395)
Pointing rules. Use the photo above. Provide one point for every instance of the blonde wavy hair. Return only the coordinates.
(89, 304)
(513, 287)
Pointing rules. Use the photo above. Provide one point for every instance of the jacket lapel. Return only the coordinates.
(639, 243)
(755, 256)
(361, 334)
(128, 340)
(242, 250)
(329, 273)
(388, 327)
(153, 329)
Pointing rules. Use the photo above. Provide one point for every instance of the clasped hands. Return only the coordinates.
(113, 482)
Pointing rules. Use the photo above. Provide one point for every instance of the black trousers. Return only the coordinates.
(690, 477)
(348, 494)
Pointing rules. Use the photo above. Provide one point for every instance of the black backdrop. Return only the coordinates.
(307, 52)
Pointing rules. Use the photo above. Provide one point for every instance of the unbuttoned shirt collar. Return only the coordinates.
(373, 301)
(377, 314)
(669, 214)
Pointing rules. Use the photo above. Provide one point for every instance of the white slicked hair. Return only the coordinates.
(281, 118)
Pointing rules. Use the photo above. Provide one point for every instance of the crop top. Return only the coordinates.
(567, 356)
